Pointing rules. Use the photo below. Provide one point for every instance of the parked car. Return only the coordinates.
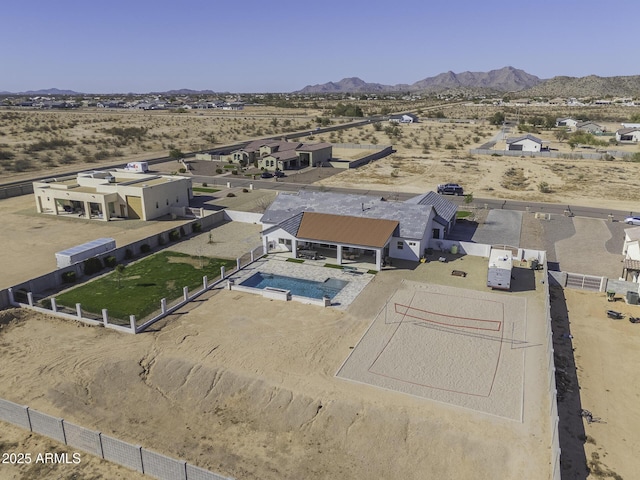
(279, 174)
(450, 189)
(632, 220)
(266, 175)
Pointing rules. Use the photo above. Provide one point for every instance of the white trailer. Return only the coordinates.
(500, 266)
(82, 252)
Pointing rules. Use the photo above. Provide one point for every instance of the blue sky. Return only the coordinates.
(139, 46)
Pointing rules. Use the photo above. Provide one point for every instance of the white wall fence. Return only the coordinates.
(103, 446)
(243, 217)
(554, 419)
(131, 324)
(484, 250)
(567, 156)
(594, 283)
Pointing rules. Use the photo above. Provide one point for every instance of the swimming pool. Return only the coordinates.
(297, 286)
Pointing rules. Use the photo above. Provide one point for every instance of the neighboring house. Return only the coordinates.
(631, 252)
(103, 195)
(566, 122)
(233, 106)
(348, 226)
(591, 127)
(404, 118)
(281, 155)
(525, 143)
(631, 134)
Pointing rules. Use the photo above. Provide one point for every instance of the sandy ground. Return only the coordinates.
(31, 240)
(246, 387)
(606, 356)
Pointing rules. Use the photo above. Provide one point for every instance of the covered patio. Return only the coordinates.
(346, 239)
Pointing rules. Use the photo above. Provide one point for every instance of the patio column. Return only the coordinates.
(294, 248)
(87, 209)
(105, 210)
(339, 254)
(378, 259)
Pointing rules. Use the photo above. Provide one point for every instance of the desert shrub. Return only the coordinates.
(204, 184)
(110, 261)
(231, 194)
(182, 170)
(174, 235)
(196, 227)
(450, 146)
(6, 155)
(145, 248)
(128, 254)
(69, 277)
(21, 165)
(244, 190)
(543, 187)
(218, 171)
(92, 265)
(234, 172)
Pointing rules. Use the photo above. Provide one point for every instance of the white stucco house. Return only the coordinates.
(525, 143)
(631, 134)
(566, 122)
(404, 118)
(346, 226)
(591, 127)
(631, 252)
(103, 195)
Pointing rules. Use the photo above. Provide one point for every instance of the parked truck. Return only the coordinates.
(138, 167)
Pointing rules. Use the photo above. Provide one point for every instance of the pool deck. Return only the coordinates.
(278, 265)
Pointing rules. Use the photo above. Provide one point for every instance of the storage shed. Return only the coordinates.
(500, 265)
(86, 250)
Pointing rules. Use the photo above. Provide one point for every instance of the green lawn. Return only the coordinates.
(463, 214)
(144, 284)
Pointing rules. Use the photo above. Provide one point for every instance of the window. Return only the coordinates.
(412, 244)
(436, 233)
(400, 244)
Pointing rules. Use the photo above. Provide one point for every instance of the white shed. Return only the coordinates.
(82, 252)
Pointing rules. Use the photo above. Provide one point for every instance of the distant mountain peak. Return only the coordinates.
(505, 80)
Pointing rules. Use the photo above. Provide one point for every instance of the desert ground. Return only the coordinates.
(427, 153)
(246, 387)
(606, 357)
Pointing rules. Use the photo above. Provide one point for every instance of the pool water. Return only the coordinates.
(297, 286)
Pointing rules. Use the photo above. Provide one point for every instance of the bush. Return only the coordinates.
(182, 170)
(174, 235)
(128, 254)
(218, 171)
(543, 187)
(161, 240)
(231, 194)
(145, 248)
(234, 172)
(204, 184)
(92, 265)
(244, 190)
(196, 227)
(110, 261)
(69, 277)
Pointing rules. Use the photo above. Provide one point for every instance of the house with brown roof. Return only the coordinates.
(350, 227)
(281, 155)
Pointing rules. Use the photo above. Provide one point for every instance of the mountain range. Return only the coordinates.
(506, 79)
(502, 81)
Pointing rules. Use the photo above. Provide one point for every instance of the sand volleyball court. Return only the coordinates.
(451, 345)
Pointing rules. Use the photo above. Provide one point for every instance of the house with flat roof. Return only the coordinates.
(104, 195)
(349, 227)
(525, 143)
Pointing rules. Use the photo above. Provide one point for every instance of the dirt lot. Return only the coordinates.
(606, 356)
(246, 387)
